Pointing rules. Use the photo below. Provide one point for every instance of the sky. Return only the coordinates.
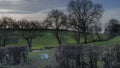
(38, 9)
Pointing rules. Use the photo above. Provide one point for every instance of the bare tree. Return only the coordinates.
(73, 25)
(84, 13)
(6, 35)
(6, 22)
(29, 35)
(56, 20)
(30, 30)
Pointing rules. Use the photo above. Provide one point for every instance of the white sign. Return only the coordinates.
(44, 56)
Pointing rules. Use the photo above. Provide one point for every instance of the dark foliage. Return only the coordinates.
(88, 56)
(13, 55)
(113, 28)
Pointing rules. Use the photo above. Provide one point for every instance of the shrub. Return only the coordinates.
(88, 56)
(13, 55)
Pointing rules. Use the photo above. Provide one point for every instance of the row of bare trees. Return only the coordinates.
(27, 30)
(83, 17)
(8, 22)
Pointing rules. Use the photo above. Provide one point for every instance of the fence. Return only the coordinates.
(13, 55)
(76, 56)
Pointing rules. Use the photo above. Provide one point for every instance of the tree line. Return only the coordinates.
(27, 30)
(82, 16)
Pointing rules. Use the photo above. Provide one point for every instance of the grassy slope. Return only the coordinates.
(113, 41)
(47, 39)
(41, 42)
(51, 52)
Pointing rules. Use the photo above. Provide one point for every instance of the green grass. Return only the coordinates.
(50, 52)
(35, 57)
(113, 41)
(35, 60)
(47, 39)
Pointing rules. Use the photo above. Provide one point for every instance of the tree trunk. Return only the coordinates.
(0, 43)
(85, 37)
(92, 36)
(78, 38)
(4, 43)
(29, 41)
(98, 36)
(57, 37)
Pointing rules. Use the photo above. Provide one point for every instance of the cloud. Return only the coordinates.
(41, 15)
(31, 5)
(9, 11)
(109, 14)
(10, 0)
(38, 9)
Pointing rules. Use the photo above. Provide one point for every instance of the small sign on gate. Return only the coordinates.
(44, 56)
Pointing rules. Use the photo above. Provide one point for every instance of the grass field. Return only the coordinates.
(113, 41)
(47, 39)
(35, 60)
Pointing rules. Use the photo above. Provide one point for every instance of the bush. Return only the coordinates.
(13, 55)
(88, 56)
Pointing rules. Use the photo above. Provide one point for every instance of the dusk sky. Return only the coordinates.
(38, 9)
